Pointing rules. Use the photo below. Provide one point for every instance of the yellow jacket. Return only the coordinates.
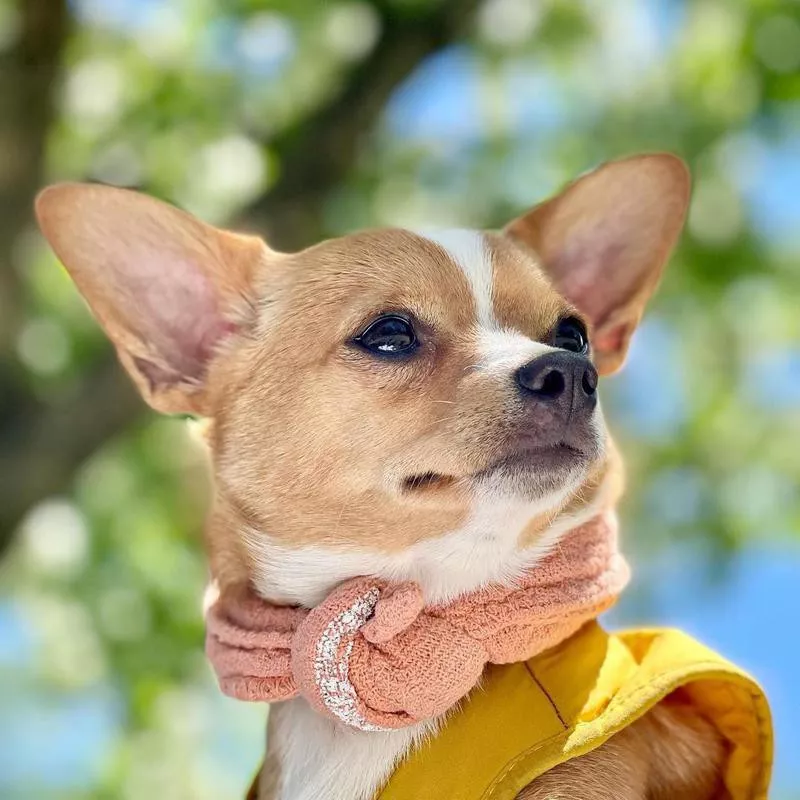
(526, 718)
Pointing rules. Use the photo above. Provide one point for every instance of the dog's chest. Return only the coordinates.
(318, 757)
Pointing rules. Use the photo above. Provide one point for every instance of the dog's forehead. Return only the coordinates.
(509, 289)
(461, 276)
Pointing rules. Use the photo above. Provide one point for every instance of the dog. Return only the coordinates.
(419, 407)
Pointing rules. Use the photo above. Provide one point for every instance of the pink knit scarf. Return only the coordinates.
(375, 657)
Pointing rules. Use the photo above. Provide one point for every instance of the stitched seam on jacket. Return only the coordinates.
(547, 695)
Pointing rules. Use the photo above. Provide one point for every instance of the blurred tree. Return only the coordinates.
(28, 69)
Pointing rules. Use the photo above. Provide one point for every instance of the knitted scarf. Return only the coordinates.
(373, 656)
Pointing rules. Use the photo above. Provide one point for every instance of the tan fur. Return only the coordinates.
(312, 440)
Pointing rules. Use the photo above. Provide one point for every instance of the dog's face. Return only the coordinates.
(388, 391)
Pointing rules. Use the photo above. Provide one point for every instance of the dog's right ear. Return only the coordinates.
(167, 288)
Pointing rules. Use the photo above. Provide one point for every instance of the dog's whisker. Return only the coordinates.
(345, 503)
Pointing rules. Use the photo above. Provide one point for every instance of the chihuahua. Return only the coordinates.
(417, 406)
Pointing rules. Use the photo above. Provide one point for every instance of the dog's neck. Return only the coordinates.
(318, 757)
(484, 550)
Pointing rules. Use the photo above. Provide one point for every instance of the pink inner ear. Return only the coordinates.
(175, 311)
(585, 274)
(159, 281)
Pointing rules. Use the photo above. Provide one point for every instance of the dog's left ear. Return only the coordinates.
(605, 239)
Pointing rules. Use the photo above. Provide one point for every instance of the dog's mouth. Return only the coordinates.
(428, 482)
(548, 458)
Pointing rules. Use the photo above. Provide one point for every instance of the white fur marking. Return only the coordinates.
(469, 251)
(504, 351)
(500, 350)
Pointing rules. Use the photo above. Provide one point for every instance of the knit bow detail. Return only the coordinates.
(373, 656)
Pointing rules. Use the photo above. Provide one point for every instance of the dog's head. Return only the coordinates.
(416, 404)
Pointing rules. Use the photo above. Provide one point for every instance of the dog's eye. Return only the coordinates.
(389, 335)
(571, 335)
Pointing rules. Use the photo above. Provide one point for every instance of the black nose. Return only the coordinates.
(560, 378)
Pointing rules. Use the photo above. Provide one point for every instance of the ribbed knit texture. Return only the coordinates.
(373, 656)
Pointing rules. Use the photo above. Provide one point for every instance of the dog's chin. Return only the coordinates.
(535, 473)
